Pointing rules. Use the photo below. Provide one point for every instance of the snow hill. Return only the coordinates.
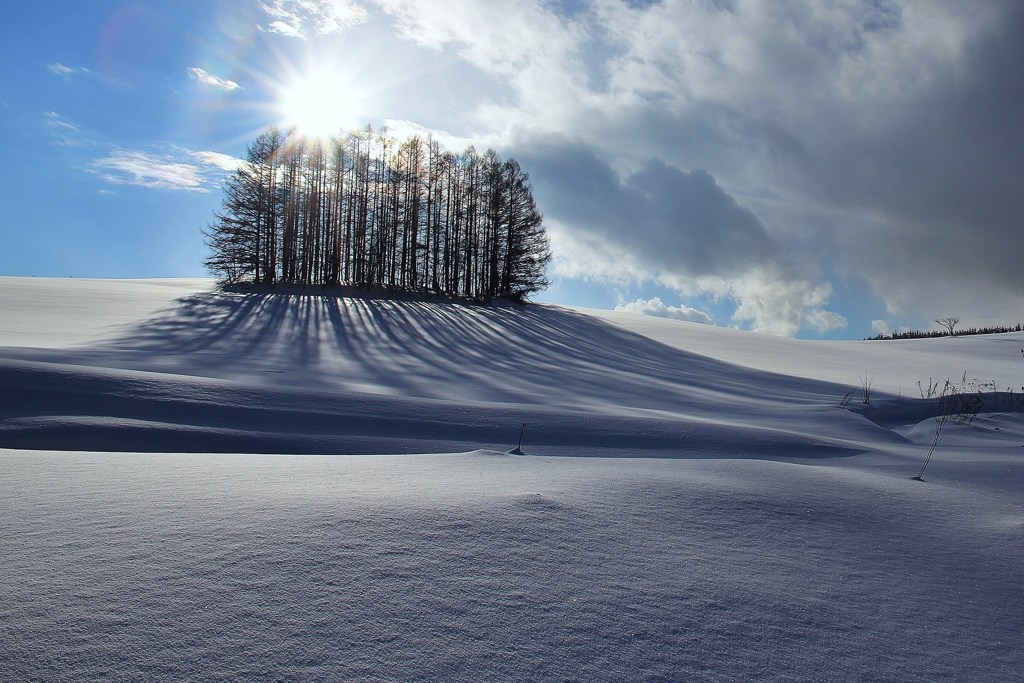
(694, 503)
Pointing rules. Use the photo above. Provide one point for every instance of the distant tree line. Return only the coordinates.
(916, 334)
(366, 209)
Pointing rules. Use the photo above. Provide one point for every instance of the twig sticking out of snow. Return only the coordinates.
(518, 450)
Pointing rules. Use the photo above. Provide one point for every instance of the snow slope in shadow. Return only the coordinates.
(320, 374)
(307, 373)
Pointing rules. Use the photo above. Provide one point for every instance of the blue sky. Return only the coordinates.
(814, 168)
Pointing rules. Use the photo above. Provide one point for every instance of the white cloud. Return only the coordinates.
(403, 129)
(823, 321)
(579, 255)
(134, 167)
(881, 327)
(772, 298)
(530, 49)
(657, 308)
(778, 299)
(224, 162)
(502, 36)
(66, 72)
(165, 171)
(63, 132)
(207, 78)
(302, 18)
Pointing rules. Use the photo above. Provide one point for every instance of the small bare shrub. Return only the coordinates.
(866, 383)
(952, 402)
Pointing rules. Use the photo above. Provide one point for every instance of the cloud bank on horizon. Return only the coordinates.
(803, 167)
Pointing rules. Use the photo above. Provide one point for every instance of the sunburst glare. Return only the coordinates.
(319, 104)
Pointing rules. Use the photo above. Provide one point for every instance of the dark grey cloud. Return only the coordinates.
(679, 228)
(881, 15)
(940, 171)
(674, 221)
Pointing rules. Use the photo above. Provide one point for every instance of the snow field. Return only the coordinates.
(462, 567)
(739, 525)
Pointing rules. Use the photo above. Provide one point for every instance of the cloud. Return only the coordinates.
(657, 308)
(887, 132)
(937, 168)
(207, 78)
(63, 132)
(225, 162)
(677, 228)
(66, 72)
(879, 141)
(779, 298)
(675, 221)
(302, 18)
(403, 129)
(823, 321)
(164, 171)
(536, 55)
(489, 34)
(134, 167)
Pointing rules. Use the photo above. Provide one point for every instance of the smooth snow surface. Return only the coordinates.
(738, 525)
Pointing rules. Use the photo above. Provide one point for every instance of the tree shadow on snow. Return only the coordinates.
(584, 384)
(505, 353)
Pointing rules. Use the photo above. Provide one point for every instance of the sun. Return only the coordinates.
(319, 105)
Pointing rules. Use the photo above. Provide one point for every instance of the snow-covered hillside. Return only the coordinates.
(695, 503)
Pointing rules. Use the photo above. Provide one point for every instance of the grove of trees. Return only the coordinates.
(964, 332)
(366, 209)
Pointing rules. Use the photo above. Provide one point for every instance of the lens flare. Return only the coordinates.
(320, 104)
